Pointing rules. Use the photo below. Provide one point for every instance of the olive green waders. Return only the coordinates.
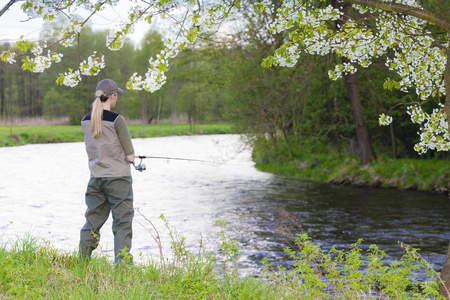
(103, 195)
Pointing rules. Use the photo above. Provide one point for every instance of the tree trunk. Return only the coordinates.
(23, 110)
(366, 151)
(159, 110)
(9, 109)
(144, 109)
(394, 150)
(2, 92)
(445, 276)
(445, 273)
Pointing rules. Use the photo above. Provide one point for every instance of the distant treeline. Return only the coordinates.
(25, 94)
(222, 82)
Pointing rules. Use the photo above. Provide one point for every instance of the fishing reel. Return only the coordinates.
(141, 167)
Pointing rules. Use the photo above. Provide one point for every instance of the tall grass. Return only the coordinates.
(33, 269)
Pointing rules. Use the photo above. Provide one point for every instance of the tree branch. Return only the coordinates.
(417, 12)
(7, 6)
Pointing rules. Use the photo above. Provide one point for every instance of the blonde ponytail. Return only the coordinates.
(97, 114)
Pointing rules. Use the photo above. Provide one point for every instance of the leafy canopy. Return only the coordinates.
(359, 30)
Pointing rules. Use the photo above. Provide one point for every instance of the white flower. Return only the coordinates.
(71, 79)
(384, 120)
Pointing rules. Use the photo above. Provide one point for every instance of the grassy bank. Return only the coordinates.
(319, 163)
(32, 269)
(325, 164)
(37, 271)
(21, 135)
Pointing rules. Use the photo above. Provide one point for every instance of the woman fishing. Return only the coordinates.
(110, 153)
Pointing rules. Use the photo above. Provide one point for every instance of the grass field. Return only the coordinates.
(22, 135)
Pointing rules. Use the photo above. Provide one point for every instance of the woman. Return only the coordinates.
(110, 153)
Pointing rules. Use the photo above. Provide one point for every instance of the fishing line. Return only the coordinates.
(142, 167)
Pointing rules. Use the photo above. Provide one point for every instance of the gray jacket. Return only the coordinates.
(107, 153)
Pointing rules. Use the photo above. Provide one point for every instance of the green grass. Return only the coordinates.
(33, 269)
(325, 164)
(21, 135)
(36, 270)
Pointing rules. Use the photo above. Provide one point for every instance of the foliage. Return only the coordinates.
(31, 268)
(361, 31)
(196, 98)
(320, 162)
(412, 40)
(351, 274)
(197, 20)
(216, 82)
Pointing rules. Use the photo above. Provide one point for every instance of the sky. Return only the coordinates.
(14, 23)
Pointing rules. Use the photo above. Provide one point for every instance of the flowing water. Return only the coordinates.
(42, 194)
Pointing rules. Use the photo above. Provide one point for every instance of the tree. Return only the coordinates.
(151, 45)
(52, 107)
(393, 30)
(372, 29)
(367, 153)
(401, 32)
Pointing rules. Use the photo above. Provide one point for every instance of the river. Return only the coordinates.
(42, 194)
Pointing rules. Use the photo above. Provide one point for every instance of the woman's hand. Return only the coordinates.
(131, 158)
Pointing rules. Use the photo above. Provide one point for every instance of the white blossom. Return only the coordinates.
(92, 66)
(10, 57)
(415, 58)
(155, 76)
(384, 120)
(71, 79)
(418, 116)
(114, 40)
(412, 54)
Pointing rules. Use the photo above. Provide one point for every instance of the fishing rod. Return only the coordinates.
(142, 167)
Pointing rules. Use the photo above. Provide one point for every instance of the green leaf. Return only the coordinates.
(162, 67)
(259, 7)
(28, 64)
(5, 54)
(192, 34)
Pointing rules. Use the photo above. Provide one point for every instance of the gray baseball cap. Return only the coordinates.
(108, 87)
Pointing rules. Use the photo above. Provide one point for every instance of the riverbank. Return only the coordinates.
(22, 135)
(320, 164)
(33, 269)
(326, 165)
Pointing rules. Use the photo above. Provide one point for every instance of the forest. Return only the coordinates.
(221, 80)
